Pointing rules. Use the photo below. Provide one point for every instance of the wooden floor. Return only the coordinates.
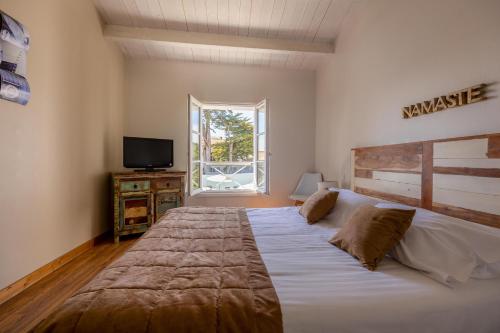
(24, 311)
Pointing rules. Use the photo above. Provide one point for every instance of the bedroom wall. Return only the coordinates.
(56, 151)
(395, 53)
(157, 107)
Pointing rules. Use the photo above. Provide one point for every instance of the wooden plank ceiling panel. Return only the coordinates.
(173, 14)
(302, 20)
(317, 19)
(234, 16)
(260, 17)
(134, 13)
(114, 11)
(245, 13)
(193, 21)
(279, 60)
(150, 14)
(215, 55)
(224, 57)
(241, 56)
(201, 54)
(156, 19)
(291, 17)
(295, 61)
(307, 19)
(223, 16)
(276, 18)
(200, 7)
(330, 25)
(212, 16)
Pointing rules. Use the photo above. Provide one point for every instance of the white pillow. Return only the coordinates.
(447, 249)
(347, 203)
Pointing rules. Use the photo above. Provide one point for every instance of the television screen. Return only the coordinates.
(147, 153)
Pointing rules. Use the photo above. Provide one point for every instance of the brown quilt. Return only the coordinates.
(197, 270)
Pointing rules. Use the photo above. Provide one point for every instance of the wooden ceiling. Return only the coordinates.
(305, 21)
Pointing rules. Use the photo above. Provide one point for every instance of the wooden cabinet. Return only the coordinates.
(142, 198)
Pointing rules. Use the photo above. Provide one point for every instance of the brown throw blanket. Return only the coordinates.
(197, 270)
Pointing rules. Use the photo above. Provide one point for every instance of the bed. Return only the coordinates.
(323, 289)
(309, 285)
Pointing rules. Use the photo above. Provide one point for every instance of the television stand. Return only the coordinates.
(142, 198)
(150, 170)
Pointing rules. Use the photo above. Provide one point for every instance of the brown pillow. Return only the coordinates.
(372, 232)
(318, 205)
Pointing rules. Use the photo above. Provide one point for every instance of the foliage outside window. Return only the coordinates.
(228, 150)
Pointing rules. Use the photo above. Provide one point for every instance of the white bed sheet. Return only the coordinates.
(323, 289)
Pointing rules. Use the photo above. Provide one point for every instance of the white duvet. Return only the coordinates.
(323, 289)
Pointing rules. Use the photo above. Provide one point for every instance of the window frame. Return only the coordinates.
(224, 106)
(191, 101)
(258, 106)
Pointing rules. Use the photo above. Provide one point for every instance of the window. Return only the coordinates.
(228, 147)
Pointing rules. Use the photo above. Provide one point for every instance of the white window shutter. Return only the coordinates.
(195, 173)
(262, 147)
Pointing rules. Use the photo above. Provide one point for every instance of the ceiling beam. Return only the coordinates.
(118, 32)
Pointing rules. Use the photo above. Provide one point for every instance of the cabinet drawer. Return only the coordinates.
(167, 184)
(134, 185)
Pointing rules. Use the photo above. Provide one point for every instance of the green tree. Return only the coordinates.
(238, 136)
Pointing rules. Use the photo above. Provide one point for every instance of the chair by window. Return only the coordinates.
(308, 184)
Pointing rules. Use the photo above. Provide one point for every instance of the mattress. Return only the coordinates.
(323, 289)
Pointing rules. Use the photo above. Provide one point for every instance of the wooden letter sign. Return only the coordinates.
(465, 96)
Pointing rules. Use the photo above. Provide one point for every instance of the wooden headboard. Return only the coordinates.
(458, 177)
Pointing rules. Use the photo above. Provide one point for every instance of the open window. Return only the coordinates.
(195, 174)
(228, 147)
(260, 146)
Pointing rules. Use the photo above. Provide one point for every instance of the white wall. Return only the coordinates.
(157, 107)
(395, 53)
(56, 152)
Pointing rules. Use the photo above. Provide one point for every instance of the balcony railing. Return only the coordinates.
(228, 176)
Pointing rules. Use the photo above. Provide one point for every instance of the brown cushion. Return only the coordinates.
(318, 205)
(372, 232)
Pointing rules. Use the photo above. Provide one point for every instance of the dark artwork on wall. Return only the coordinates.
(14, 44)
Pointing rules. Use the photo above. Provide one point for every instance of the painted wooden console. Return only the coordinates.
(142, 198)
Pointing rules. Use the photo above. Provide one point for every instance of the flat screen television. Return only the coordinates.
(147, 153)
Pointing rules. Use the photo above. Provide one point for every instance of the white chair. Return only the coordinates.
(308, 184)
(326, 184)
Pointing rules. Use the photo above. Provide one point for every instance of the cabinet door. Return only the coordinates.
(165, 201)
(135, 212)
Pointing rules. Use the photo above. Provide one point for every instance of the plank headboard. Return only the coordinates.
(458, 177)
